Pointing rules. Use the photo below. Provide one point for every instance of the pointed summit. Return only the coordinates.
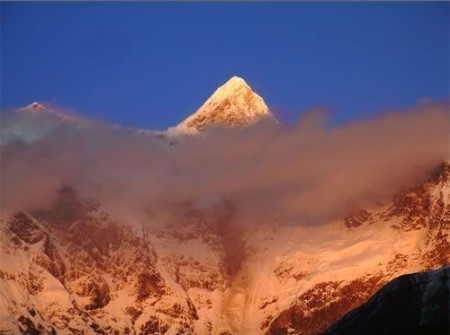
(233, 84)
(233, 104)
(43, 110)
(33, 107)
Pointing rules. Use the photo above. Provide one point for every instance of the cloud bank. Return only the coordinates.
(305, 173)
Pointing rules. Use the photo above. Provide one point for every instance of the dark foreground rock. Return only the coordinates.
(415, 304)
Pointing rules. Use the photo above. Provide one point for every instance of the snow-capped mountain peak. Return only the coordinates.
(232, 104)
(45, 110)
(234, 84)
(35, 106)
(36, 120)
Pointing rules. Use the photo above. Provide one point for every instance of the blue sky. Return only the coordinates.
(152, 64)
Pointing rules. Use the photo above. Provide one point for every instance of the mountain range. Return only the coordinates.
(73, 268)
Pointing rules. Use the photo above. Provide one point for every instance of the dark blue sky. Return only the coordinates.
(152, 64)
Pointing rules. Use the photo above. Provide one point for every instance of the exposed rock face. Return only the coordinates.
(423, 213)
(322, 304)
(234, 104)
(411, 304)
(148, 285)
(26, 229)
(84, 272)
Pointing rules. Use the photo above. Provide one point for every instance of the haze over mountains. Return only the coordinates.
(228, 223)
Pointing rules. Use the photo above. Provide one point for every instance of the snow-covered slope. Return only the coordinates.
(324, 272)
(232, 104)
(76, 269)
(84, 273)
(34, 121)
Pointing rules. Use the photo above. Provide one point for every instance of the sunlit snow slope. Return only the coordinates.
(86, 272)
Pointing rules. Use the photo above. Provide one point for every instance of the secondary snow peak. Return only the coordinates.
(43, 110)
(33, 107)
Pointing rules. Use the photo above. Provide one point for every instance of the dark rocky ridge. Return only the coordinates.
(415, 304)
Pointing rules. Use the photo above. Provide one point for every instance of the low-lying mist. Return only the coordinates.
(309, 172)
